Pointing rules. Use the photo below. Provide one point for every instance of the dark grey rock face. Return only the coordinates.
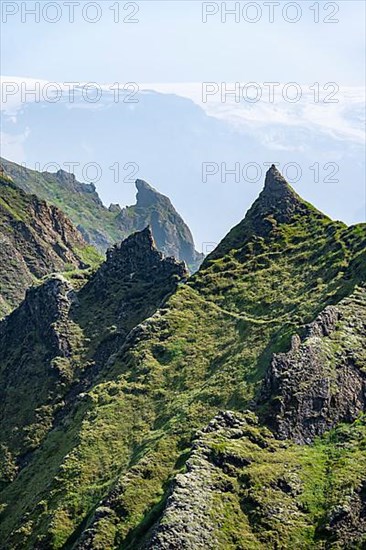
(322, 379)
(136, 266)
(346, 522)
(42, 314)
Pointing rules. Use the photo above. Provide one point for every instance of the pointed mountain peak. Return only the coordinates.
(142, 185)
(148, 195)
(277, 204)
(143, 239)
(274, 179)
(277, 199)
(276, 186)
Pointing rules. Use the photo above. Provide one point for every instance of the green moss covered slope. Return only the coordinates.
(132, 459)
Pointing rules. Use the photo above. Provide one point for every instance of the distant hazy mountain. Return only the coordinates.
(103, 226)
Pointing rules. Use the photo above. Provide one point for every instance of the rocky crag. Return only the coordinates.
(321, 381)
(226, 410)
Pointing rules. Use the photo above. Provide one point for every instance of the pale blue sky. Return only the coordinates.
(171, 44)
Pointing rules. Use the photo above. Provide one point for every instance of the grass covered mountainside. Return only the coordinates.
(103, 227)
(36, 239)
(222, 411)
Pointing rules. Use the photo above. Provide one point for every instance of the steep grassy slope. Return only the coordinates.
(103, 227)
(36, 239)
(245, 489)
(55, 342)
(102, 475)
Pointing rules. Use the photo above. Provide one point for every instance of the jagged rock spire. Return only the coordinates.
(135, 259)
(277, 187)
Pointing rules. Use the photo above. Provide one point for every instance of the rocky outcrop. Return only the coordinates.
(322, 379)
(128, 287)
(45, 309)
(345, 522)
(36, 240)
(138, 256)
(187, 519)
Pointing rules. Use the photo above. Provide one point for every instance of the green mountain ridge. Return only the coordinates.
(145, 439)
(36, 240)
(103, 227)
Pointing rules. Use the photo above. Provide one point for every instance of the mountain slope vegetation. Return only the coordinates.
(136, 449)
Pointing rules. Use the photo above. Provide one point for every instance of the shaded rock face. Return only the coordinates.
(322, 379)
(346, 522)
(44, 306)
(47, 308)
(36, 239)
(36, 343)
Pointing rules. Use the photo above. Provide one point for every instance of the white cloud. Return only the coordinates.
(271, 122)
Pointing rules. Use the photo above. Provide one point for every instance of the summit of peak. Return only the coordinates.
(140, 242)
(277, 199)
(142, 184)
(146, 194)
(138, 253)
(276, 184)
